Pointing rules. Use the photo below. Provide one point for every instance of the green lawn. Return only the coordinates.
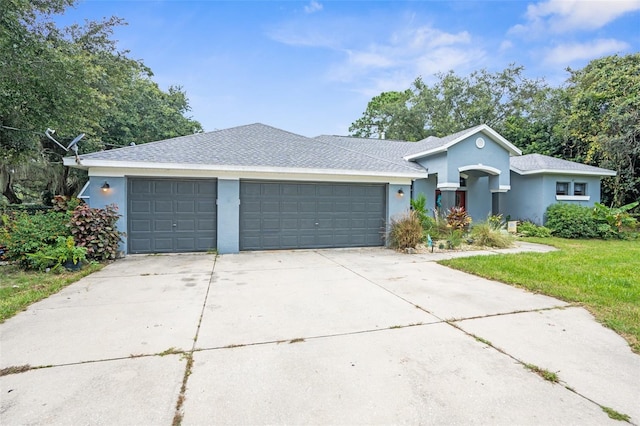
(19, 289)
(602, 276)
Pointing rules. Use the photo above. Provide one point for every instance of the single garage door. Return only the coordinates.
(284, 215)
(169, 216)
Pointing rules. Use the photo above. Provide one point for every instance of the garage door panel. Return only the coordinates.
(206, 225)
(140, 226)
(171, 215)
(140, 244)
(205, 206)
(162, 187)
(162, 206)
(310, 215)
(163, 225)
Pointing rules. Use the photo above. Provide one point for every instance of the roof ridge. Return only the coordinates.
(402, 163)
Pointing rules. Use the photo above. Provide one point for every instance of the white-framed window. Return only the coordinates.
(579, 188)
(562, 188)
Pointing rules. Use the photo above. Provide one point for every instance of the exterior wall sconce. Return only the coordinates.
(105, 187)
(400, 193)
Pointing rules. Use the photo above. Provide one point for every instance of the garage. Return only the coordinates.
(171, 215)
(289, 215)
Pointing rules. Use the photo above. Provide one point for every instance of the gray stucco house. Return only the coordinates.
(256, 187)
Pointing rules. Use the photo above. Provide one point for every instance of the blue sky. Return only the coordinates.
(310, 67)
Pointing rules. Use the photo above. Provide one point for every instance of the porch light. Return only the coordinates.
(400, 193)
(105, 187)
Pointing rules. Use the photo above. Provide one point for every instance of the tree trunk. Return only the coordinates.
(7, 187)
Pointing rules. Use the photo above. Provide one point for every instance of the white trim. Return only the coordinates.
(604, 172)
(81, 193)
(491, 170)
(179, 173)
(502, 188)
(513, 150)
(573, 197)
(448, 186)
(238, 171)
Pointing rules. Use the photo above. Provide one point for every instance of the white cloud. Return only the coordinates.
(407, 54)
(313, 7)
(505, 45)
(561, 16)
(565, 54)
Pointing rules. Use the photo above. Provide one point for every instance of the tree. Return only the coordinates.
(602, 123)
(388, 117)
(72, 80)
(451, 104)
(142, 112)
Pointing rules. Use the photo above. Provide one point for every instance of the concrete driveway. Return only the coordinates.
(365, 336)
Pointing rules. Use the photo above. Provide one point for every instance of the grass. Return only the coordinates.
(19, 289)
(615, 415)
(549, 376)
(600, 275)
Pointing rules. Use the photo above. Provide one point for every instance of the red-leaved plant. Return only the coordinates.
(96, 230)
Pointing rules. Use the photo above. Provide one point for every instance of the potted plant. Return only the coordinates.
(63, 253)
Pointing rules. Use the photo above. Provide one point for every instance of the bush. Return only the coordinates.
(23, 233)
(487, 235)
(419, 205)
(53, 256)
(615, 222)
(458, 218)
(406, 231)
(571, 221)
(530, 229)
(96, 230)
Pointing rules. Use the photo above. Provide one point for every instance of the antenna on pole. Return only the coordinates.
(73, 145)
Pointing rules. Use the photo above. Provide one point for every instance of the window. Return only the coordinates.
(562, 188)
(579, 188)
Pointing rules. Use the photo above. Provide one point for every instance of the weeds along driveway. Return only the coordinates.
(326, 337)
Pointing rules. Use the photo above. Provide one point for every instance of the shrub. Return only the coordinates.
(487, 235)
(24, 233)
(96, 230)
(530, 229)
(458, 218)
(419, 205)
(406, 231)
(615, 222)
(571, 221)
(53, 256)
(454, 238)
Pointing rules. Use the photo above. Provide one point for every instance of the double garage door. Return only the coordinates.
(169, 215)
(286, 215)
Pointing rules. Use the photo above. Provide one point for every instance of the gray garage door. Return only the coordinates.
(281, 215)
(167, 216)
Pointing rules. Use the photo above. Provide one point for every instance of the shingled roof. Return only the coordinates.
(538, 163)
(261, 148)
(256, 147)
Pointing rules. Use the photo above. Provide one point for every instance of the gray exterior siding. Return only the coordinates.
(534, 193)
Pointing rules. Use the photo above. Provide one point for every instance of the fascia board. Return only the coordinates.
(513, 150)
(562, 172)
(242, 169)
(288, 174)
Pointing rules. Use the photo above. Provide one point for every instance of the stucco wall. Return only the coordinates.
(531, 195)
(466, 153)
(116, 194)
(427, 187)
(478, 198)
(228, 204)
